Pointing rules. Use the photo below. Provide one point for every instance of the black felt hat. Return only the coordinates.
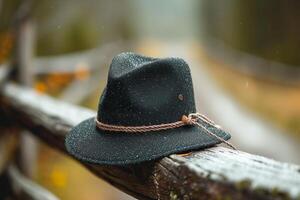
(142, 91)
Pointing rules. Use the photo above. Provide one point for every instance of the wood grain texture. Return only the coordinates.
(215, 173)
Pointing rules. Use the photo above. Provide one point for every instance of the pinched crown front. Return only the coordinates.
(145, 91)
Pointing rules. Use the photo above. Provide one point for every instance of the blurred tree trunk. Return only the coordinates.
(22, 61)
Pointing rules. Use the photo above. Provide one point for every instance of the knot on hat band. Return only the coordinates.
(191, 119)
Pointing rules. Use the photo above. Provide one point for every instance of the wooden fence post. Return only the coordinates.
(22, 61)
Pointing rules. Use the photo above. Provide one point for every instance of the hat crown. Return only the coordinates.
(145, 91)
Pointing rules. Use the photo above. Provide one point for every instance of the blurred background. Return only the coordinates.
(244, 58)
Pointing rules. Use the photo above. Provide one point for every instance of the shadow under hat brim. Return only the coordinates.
(87, 143)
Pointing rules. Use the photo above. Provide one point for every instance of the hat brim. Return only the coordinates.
(87, 143)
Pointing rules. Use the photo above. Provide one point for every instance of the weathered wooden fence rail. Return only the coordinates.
(215, 173)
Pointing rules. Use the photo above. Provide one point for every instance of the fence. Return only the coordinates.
(214, 173)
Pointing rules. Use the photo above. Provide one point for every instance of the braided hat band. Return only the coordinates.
(191, 119)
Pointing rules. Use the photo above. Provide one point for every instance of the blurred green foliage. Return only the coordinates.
(76, 36)
(70, 25)
(269, 29)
